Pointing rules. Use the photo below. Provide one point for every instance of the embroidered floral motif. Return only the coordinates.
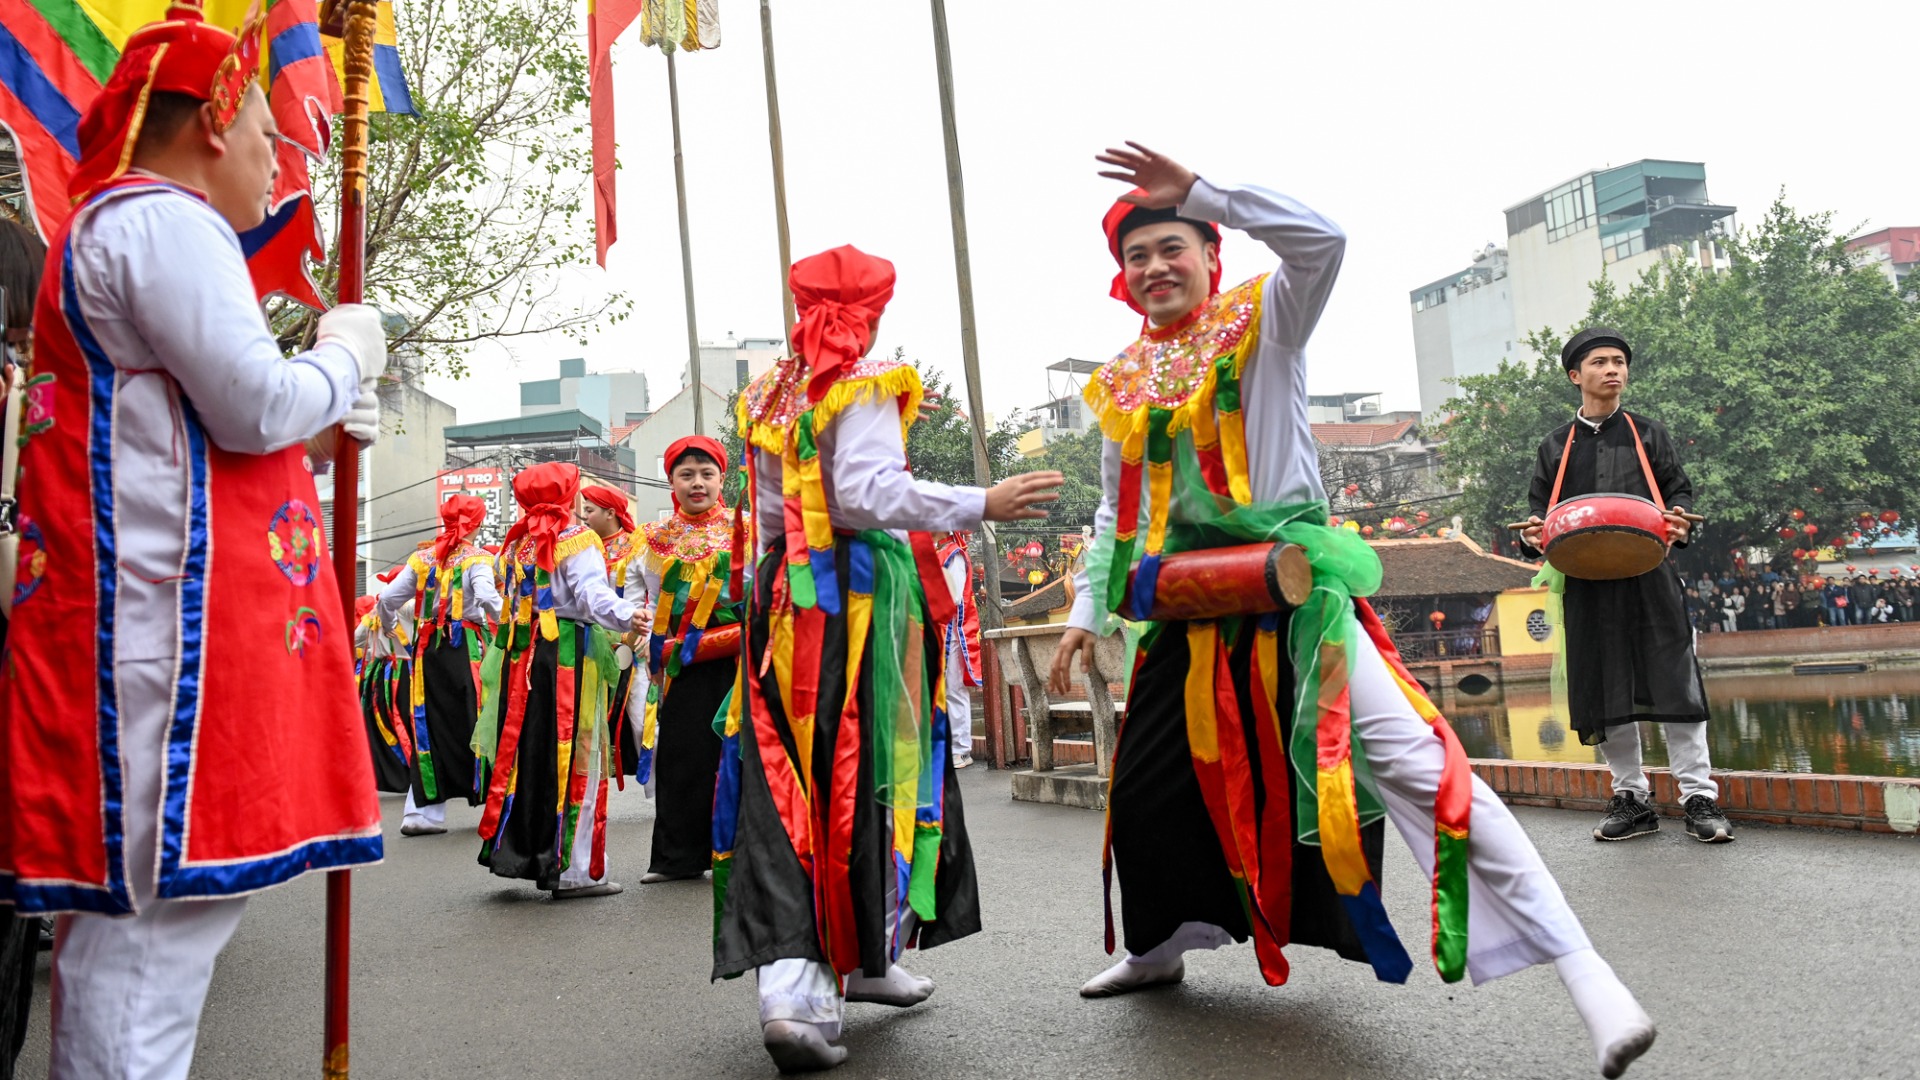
(1165, 367)
(690, 539)
(293, 541)
(619, 547)
(303, 630)
(33, 561)
(757, 406)
(39, 404)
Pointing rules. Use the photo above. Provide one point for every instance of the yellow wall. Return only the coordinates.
(1510, 611)
(1031, 443)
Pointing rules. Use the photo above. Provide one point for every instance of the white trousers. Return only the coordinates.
(423, 815)
(1686, 755)
(959, 703)
(806, 990)
(127, 992)
(579, 871)
(1516, 914)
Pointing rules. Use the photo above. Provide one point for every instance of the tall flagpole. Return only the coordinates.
(361, 18)
(963, 275)
(775, 143)
(686, 255)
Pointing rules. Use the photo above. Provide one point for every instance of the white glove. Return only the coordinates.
(363, 420)
(357, 326)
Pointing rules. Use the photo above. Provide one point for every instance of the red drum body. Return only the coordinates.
(1605, 537)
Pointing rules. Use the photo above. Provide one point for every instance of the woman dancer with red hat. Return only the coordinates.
(1261, 753)
(604, 510)
(546, 685)
(455, 602)
(838, 836)
(685, 566)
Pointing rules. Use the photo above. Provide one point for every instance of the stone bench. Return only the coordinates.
(1025, 654)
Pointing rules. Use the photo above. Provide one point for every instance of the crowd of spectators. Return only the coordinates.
(1733, 600)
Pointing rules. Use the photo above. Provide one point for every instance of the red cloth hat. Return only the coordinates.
(362, 606)
(179, 55)
(703, 444)
(546, 494)
(837, 295)
(459, 516)
(1124, 217)
(613, 500)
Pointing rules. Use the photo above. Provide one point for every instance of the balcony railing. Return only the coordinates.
(1464, 644)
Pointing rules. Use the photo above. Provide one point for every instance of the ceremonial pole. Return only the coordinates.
(778, 147)
(361, 16)
(686, 255)
(963, 275)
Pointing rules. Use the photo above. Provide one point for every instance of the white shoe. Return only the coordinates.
(961, 761)
(898, 987)
(581, 892)
(796, 1046)
(1128, 975)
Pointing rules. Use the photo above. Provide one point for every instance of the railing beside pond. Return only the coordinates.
(1429, 646)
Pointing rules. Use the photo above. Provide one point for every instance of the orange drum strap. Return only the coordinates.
(1645, 465)
(1566, 452)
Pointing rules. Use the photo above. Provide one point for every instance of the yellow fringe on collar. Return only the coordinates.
(584, 540)
(900, 383)
(1117, 423)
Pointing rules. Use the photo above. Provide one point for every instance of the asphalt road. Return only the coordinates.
(1788, 954)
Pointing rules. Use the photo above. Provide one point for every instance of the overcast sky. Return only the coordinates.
(1413, 126)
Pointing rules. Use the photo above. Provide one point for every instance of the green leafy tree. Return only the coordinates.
(477, 206)
(1787, 382)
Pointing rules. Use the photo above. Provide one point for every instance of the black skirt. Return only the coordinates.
(768, 911)
(382, 680)
(1166, 853)
(443, 738)
(527, 843)
(685, 759)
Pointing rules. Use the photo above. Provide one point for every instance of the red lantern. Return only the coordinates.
(1799, 553)
(1856, 536)
(1889, 516)
(1366, 530)
(1811, 530)
(1849, 568)
(1873, 573)
(1369, 506)
(1788, 534)
(1799, 515)
(1422, 517)
(1915, 569)
(1353, 489)
(1034, 550)
(1334, 521)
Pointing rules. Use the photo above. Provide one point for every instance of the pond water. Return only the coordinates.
(1864, 725)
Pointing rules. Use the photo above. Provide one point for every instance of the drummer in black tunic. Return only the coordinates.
(1629, 649)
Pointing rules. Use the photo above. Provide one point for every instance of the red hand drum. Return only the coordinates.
(1605, 537)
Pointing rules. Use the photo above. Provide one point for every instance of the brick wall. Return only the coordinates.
(1811, 641)
(1860, 803)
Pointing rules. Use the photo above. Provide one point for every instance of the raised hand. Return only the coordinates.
(1016, 497)
(1165, 180)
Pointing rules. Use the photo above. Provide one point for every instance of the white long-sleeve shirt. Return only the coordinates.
(1282, 465)
(482, 594)
(164, 288)
(581, 592)
(864, 461)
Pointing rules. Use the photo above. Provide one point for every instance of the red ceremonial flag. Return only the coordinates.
(606, 21)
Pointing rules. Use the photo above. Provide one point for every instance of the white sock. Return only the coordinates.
(897, 987)
(1620, 1028)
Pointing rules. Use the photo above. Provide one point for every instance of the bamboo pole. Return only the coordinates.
(686, 255)
(361, 18)
(775, 143)
(991, 619)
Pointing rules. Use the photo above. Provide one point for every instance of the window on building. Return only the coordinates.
(1626, 245)
(1570, 208)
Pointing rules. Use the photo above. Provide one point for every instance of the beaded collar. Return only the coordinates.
(690, 539)
(1168, 364)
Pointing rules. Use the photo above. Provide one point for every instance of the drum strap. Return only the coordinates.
(1646, 467)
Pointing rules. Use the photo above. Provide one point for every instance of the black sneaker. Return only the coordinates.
(1627, 817)
(1706, 823)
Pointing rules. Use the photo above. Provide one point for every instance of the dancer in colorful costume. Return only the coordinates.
(385, 674)
(1626, 651)
(546, 681)
(838, 836)
(177, 644)
(604, 510)
(1236, 757)
(961, 655)
(686, 562)
(453, 604)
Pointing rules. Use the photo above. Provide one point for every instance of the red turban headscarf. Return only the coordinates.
(706, 446)
(613, 500)
(362, 607)
(837, 295)
(546, 493)
(180, 55)
(1117, 226)
(459, 516)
